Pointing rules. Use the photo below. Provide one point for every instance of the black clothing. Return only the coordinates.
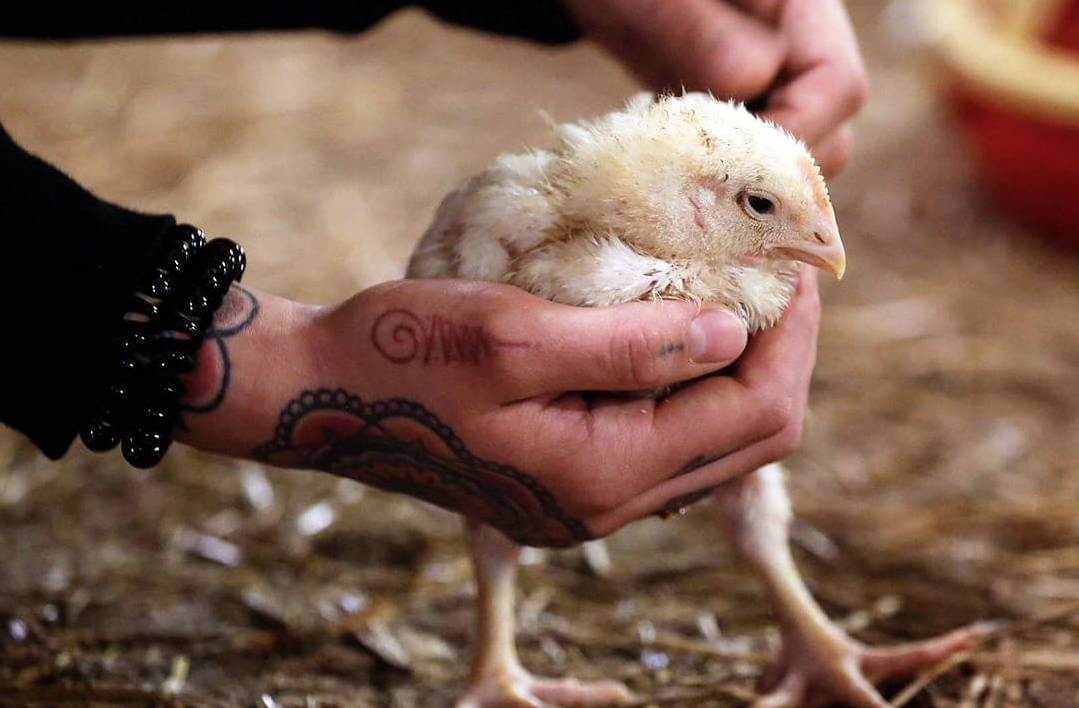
(70, 261)
(540, 20)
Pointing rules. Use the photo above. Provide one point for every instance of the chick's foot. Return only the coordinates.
(819, 664)
(822, 668)
(516, 688)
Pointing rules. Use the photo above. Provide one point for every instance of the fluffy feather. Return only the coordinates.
(647, 202)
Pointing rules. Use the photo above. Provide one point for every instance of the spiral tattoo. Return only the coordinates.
(403, 337)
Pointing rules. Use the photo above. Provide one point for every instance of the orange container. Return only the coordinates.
(1012, 70)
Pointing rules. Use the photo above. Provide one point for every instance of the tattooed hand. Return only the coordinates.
(474, 397)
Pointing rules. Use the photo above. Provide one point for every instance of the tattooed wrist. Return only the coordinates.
(208, 385)
(402, 336)
(400, 446)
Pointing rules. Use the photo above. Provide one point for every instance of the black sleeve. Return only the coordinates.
(539, 20)
(69, 265)
(70, 261)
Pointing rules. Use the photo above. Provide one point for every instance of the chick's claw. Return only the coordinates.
(821, 670)
(519, 689)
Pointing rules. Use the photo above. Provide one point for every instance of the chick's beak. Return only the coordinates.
(821, 248)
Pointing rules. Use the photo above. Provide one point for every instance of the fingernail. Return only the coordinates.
(715, 336)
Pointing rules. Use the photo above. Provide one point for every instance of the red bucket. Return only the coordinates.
(1013, 79)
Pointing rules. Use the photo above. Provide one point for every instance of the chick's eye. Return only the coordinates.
(759, 206)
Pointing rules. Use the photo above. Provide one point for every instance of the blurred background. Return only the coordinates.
(938, 484)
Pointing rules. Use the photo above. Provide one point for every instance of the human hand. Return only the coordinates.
(467, 395)
(797, 59)
(769, 385)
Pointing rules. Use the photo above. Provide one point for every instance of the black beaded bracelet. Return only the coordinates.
(157, 340)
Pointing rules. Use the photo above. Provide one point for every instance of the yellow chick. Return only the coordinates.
(683, 197)
(687, 197)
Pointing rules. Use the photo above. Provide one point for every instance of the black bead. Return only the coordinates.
(220, 268)
(189, 237)
(239, 260)
(195, 305)
(144, 448)
(151, 310)
(156, 416)
(172, 362)
(215, 285)
(175, 261)
(190, 326)
(180, 361)
(133, 325)
(167, 390)
(132, 343)
(159, 366)
(127, 364)
(228, 252)
(189, 343)
(108, 410)
(99, 436)
(116, 403)
(159, 284)
(118, 393)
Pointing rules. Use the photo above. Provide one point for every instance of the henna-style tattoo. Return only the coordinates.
(403, 337)
(400, 446)
(207, 385)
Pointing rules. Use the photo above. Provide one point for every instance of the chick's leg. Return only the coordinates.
(497, 677)
(819, 664)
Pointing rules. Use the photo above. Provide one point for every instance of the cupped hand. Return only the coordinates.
(523, 443)
(472, 396)
(796, 60)
(741, 421)
(489, 415)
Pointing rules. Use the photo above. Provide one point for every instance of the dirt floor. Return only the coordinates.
(938, 484)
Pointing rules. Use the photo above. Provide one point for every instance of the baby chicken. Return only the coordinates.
(680, 197)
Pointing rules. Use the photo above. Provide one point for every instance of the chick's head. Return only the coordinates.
(694, 178)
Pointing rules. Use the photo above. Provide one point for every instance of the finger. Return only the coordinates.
(827, 84)
(815, 103)
(686, 488)
(765, 396)
(633, 347)
(510, 345)
(730, 53)
(767, 10)
(834, 151)
(699, 44)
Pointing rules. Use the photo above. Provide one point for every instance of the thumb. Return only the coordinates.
(632, 347)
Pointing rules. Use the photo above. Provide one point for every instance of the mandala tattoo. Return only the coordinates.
(206, 388)
(400, 446)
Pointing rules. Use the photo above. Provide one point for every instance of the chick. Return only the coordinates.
(682, 197)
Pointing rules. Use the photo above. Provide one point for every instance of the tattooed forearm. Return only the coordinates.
(400, 446)
(207, 385)
(403, 337)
